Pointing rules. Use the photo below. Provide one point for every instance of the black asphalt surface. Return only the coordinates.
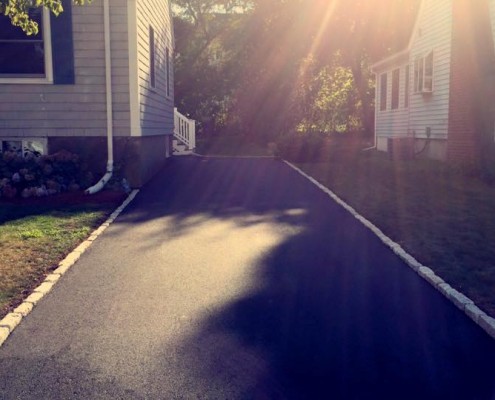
(238, 279)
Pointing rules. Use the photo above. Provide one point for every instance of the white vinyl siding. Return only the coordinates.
(155, 103)
(434, 33)
(431, 110)
(40, 110)
(393, 122)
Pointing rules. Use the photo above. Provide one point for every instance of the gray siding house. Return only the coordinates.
(98, 77)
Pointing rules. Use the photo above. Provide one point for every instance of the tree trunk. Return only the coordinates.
(367, 111)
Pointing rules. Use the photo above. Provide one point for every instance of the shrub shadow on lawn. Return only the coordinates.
(11, 210)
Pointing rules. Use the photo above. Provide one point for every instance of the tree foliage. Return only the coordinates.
(18, 11)
(287, 65)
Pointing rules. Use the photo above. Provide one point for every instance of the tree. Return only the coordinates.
(358, 30)
(270, 87)
(209, 56)
(18, 11)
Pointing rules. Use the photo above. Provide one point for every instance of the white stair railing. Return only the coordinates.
(185, 130)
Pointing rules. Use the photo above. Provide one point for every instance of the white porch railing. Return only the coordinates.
(185, 130)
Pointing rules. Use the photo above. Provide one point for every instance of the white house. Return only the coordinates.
(96, 77)
(425, 94)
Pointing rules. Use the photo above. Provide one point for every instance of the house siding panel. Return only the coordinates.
(41, 110)
(392, 123)
(433, 34)
(155, 107)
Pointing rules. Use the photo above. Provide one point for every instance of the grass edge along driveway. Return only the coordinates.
(34, 238)
(444, 218)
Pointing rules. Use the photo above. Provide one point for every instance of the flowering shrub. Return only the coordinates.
(40, 176)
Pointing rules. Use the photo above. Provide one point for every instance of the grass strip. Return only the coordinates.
(439, 215)
(35, 238)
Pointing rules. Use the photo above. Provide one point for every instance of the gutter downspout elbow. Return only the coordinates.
(109, 101)
(102, 182)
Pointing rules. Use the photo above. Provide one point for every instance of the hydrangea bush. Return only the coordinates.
(38, 176)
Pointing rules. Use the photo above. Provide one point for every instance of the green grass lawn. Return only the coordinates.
(442, 217)
(34, 238)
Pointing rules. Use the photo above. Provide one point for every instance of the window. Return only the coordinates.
(395, 89)
(428, 78)
(152, 81)
(168, 71)
(24, 57)
(406, 87)
(383, 92)
(423, 74)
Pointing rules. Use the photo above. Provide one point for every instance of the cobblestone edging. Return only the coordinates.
(461, 301)
(11, 320)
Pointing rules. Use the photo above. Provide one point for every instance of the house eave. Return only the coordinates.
(394, 59)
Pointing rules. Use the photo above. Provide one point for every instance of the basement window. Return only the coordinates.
(24, 147)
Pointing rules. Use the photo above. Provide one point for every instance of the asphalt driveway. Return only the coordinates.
(238, 279)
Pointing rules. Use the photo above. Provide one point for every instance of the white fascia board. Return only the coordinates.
(171, 18)
(134, 99)
(396, 59)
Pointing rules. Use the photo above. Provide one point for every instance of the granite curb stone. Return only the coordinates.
(460, 300)
(4, 334)
(12, 320)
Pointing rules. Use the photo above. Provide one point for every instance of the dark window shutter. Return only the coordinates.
(63, 46)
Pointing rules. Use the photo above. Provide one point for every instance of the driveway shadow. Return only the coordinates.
(332, 313)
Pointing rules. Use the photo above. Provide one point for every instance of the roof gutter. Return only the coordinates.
(109, 101)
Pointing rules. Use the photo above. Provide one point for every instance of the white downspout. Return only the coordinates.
(109, 100)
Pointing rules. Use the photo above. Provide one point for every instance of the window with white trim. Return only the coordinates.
(395, 89)
(152, 58)
(406, 86)
(24, 57)
(423, 74)
(383, 92)
(167, 60)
